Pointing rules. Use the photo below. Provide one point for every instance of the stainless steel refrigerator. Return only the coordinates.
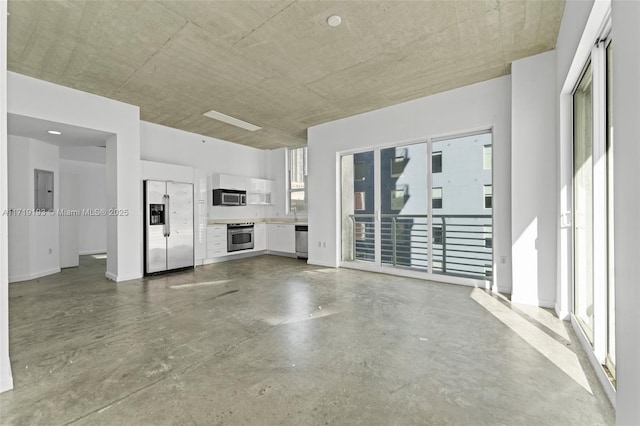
(168, 226)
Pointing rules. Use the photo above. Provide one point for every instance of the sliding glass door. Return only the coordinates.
(583, 203)
(404, 234)
(462, 207)
(424, 206)
(593, 256)
(358, 207)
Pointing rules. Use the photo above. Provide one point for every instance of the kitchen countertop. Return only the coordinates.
(277, 220)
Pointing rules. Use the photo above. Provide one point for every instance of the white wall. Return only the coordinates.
(92, 194)
(39, 99)
(534, 179)
(626, 112)
(89, 154)
(166, 145)
(479, 106)
(276, 170)
(35, 253)
(18, 197)
(574, 19)
(163, 144)
(6, 379)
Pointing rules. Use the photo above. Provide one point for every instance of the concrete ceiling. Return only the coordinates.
(276, 64)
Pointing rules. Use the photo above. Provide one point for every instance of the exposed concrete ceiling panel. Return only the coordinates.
(276, 64)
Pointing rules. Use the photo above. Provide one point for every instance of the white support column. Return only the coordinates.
(124, 208)
(6, 379)
(625, 27)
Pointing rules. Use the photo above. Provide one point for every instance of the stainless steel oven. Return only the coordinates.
(239, 236)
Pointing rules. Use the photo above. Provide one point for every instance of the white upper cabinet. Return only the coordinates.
(221, 181)
(259, 191)
(260, 186)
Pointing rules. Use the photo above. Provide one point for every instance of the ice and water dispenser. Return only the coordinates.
(156, 214)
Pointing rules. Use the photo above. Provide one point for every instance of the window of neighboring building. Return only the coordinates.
(436, 162)
(487, 157)
(297, 179)
(488, 196)
(488, 237)
(437, 234)
(361, 230)
(436, 198)
(397, 199)
(397, 166)
(359, 201)
(488, 271)
(359, 171)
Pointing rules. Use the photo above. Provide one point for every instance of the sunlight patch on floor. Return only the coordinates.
(300, 317)
(189, 285)
(556, 352)
(545, 318)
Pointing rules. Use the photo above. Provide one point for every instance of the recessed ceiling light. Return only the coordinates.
(54, 132)
(334, 20)
(231, 120)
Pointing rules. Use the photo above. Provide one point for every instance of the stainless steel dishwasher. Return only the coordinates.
(302, 241)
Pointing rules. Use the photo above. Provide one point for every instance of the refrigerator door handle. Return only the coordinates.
(164, 225)
(167, 215)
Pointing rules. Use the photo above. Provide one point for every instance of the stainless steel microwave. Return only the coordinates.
(229, 197)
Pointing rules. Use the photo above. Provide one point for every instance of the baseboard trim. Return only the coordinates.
(88, 252)
(281, 253)
(542, 303)
(562, 314)
(120, 278)
(6, 380)
(18, 278)
(320, 263)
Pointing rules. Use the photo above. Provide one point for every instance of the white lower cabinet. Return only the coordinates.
(260, 236)
(216, 241)
(276, 237)
(281, 237)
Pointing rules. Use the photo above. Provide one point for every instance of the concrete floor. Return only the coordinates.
(271, 340)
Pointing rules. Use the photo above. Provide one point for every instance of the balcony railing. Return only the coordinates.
(461, 245)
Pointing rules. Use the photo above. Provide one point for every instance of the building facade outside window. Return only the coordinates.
(436, 198)
(487, 153)
(297, 182)
(488, 197)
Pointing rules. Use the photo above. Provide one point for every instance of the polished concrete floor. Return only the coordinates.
(271, 340)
